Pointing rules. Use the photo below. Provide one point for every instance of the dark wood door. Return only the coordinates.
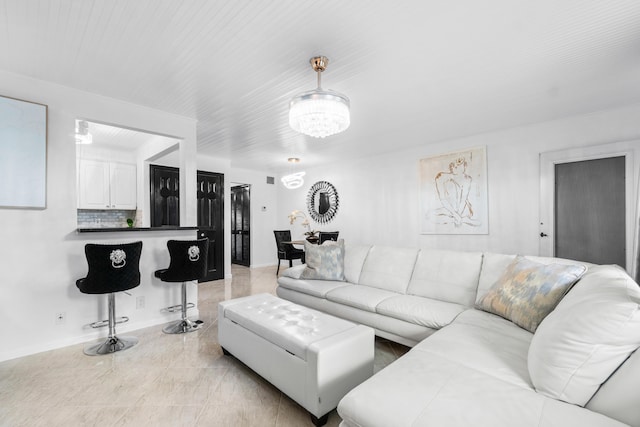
(165, 195)
(240, 225)
(210, 202)
(590, 211)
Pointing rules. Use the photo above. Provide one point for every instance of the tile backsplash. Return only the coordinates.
(88, 218)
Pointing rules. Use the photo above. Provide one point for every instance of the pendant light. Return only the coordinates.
(293, 180)
(82, 133)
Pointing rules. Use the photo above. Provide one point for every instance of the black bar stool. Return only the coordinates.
(188, 262)
(112, 268)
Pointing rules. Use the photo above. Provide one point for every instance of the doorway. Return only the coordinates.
(210, 205)
(586, 205)
(241, 224)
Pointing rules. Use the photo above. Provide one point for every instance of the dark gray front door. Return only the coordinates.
(590, 211)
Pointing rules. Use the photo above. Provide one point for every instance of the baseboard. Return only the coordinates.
(262, 265)
(94, 334)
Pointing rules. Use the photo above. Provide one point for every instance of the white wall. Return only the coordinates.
(379, 195)
(41, 255)
(263, 222)
(263, 250)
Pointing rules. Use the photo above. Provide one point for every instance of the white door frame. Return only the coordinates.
(549, 159)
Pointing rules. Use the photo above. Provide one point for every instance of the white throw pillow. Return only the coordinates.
(591, 332)
(324, 262)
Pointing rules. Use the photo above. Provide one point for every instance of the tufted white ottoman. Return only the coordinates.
(312, 357)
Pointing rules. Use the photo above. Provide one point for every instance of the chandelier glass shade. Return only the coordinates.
(293, 180)
(319, 113)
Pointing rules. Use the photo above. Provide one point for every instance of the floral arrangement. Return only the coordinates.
(305, 222)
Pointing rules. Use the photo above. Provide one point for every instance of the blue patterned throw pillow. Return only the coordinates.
(528, 291)
(324, 262)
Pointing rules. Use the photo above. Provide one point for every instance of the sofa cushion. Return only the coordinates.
(362, 297)
(450, 276)
(294, 272)
(316, 288)
(324, 262)
(493, 266)
(470, 376)
(430, 390)
(388, 268)
(421, 311)
(354, 257)
(591, 332)
(619, 397)
(291, 279)
(527, 291)
(487, 343)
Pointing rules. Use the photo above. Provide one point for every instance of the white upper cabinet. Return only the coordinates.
(123, 186)
(106, 185)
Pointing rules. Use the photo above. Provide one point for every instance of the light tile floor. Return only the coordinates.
(165, 380)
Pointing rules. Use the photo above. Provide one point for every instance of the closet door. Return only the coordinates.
(241, 225)
(210, 205)
(165, 196)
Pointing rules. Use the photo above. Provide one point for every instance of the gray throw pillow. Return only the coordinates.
(528, 291)
(324, 262)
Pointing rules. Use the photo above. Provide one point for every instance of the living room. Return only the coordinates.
(583, 95)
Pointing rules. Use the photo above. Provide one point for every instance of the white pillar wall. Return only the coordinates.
(41, 255)
(263, 210)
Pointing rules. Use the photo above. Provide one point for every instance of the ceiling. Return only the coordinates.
(416, 71)
(123, 139)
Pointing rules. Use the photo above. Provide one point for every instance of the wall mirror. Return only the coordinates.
(23, 154)
(322, 202)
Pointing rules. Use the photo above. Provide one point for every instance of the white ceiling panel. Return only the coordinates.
(416, 71)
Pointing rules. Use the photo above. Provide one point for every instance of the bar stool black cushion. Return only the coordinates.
(112, 268)
(188, 261)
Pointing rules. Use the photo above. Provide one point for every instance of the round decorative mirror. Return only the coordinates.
(322, 202)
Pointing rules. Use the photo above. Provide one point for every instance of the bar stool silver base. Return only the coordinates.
(111, 345)
(182, 326)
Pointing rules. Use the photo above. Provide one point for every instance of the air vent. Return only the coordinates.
(270, 180)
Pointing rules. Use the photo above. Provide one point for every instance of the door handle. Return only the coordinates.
(543, 234)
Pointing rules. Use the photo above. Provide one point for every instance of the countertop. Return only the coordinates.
(109, 230)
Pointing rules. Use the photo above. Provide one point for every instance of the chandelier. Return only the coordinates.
(319, 113)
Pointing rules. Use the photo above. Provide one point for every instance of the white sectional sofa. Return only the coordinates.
(470, 367)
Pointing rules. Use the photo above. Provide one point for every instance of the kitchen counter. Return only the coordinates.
(118, 229)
